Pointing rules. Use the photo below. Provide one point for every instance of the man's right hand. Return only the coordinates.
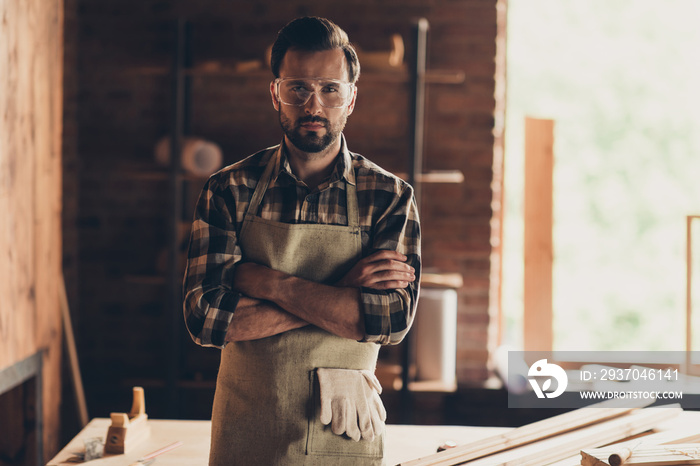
(383, 270)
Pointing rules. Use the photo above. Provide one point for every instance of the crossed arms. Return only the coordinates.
(274, 302)
(226, 299)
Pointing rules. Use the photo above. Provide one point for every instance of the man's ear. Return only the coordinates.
(351, 105)
(275, 101)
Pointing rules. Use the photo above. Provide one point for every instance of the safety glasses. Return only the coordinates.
(331, 93)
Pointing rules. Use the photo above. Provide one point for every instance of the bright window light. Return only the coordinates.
(621, 79)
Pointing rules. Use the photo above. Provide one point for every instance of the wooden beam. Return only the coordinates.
(680, 430)
(538, 249)
(651, 455)
(673, 438)
(523, 435)
(76, 377)
(564, 445)
(442, 280)
(688, 369)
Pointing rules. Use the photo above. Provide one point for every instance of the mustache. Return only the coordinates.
(312, 119)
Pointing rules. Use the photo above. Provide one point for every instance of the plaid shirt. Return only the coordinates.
(388, 220)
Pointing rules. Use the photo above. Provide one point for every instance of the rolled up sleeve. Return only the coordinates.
(209, 301)
(389, 314)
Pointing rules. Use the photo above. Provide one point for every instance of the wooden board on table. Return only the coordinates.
(523, 435)
(406, 442)
(646, 455)
(402, 442)
(682, 429)
(683, 434)
(194, 451)
(564, 445)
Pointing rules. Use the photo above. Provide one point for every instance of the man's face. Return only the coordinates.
(313, 128)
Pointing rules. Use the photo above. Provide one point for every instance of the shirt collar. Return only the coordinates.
(343, 166)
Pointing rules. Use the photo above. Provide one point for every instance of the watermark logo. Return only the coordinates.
(628, 379)
(544, 370)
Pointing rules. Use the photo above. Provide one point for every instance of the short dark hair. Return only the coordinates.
(313, 34)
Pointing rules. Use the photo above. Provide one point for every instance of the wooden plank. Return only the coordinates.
(18, 159)
(688, 293)
(436, 176)
(194, 435)
(684, 435)
(523, 435)
(402, 442)
(562, 446)
(31, 98)
(538, 248)
(682, 429)
(645, 455)
(407, 442)
(76, 377)
(688, 369)
(442, 280)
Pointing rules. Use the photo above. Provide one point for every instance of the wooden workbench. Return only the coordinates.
(402, 442)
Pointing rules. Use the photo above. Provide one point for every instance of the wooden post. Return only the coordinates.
(538, 250)
(688, 369)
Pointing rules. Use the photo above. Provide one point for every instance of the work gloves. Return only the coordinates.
(350, 403)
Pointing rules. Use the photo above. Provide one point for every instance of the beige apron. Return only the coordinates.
(266, 407)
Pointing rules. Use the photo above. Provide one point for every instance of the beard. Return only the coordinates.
(311, 142)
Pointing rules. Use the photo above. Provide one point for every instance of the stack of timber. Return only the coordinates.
(677, 446)
(563, 439)
(652, 455)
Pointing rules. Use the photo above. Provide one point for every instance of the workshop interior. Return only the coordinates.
(115, 113)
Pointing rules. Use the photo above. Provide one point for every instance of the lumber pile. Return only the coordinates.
(656, 455)
(578, 437)
(678, 446)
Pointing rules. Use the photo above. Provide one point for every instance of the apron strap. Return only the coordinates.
(353, 211)
(262, 185)
(259, 192)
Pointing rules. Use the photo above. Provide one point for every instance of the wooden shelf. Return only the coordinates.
(432, 386)
(398, 74)
(197, 384)
(143, 171)
(146, 279)
(436, 176)
(160, 175)
(145, 383)
(374, 74)
(442, 280)
(160, 383)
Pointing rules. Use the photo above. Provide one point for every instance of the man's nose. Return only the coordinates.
(313, 106)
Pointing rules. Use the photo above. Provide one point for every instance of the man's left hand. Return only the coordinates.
(383, 270)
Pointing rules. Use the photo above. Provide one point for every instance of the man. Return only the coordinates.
(304, 258)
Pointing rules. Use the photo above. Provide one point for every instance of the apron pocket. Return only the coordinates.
(321, 440)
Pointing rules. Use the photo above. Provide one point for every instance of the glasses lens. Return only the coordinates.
(297, 92)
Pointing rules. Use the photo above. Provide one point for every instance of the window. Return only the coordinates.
(620, 79)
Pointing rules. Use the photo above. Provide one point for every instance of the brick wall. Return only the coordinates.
(122, 108)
